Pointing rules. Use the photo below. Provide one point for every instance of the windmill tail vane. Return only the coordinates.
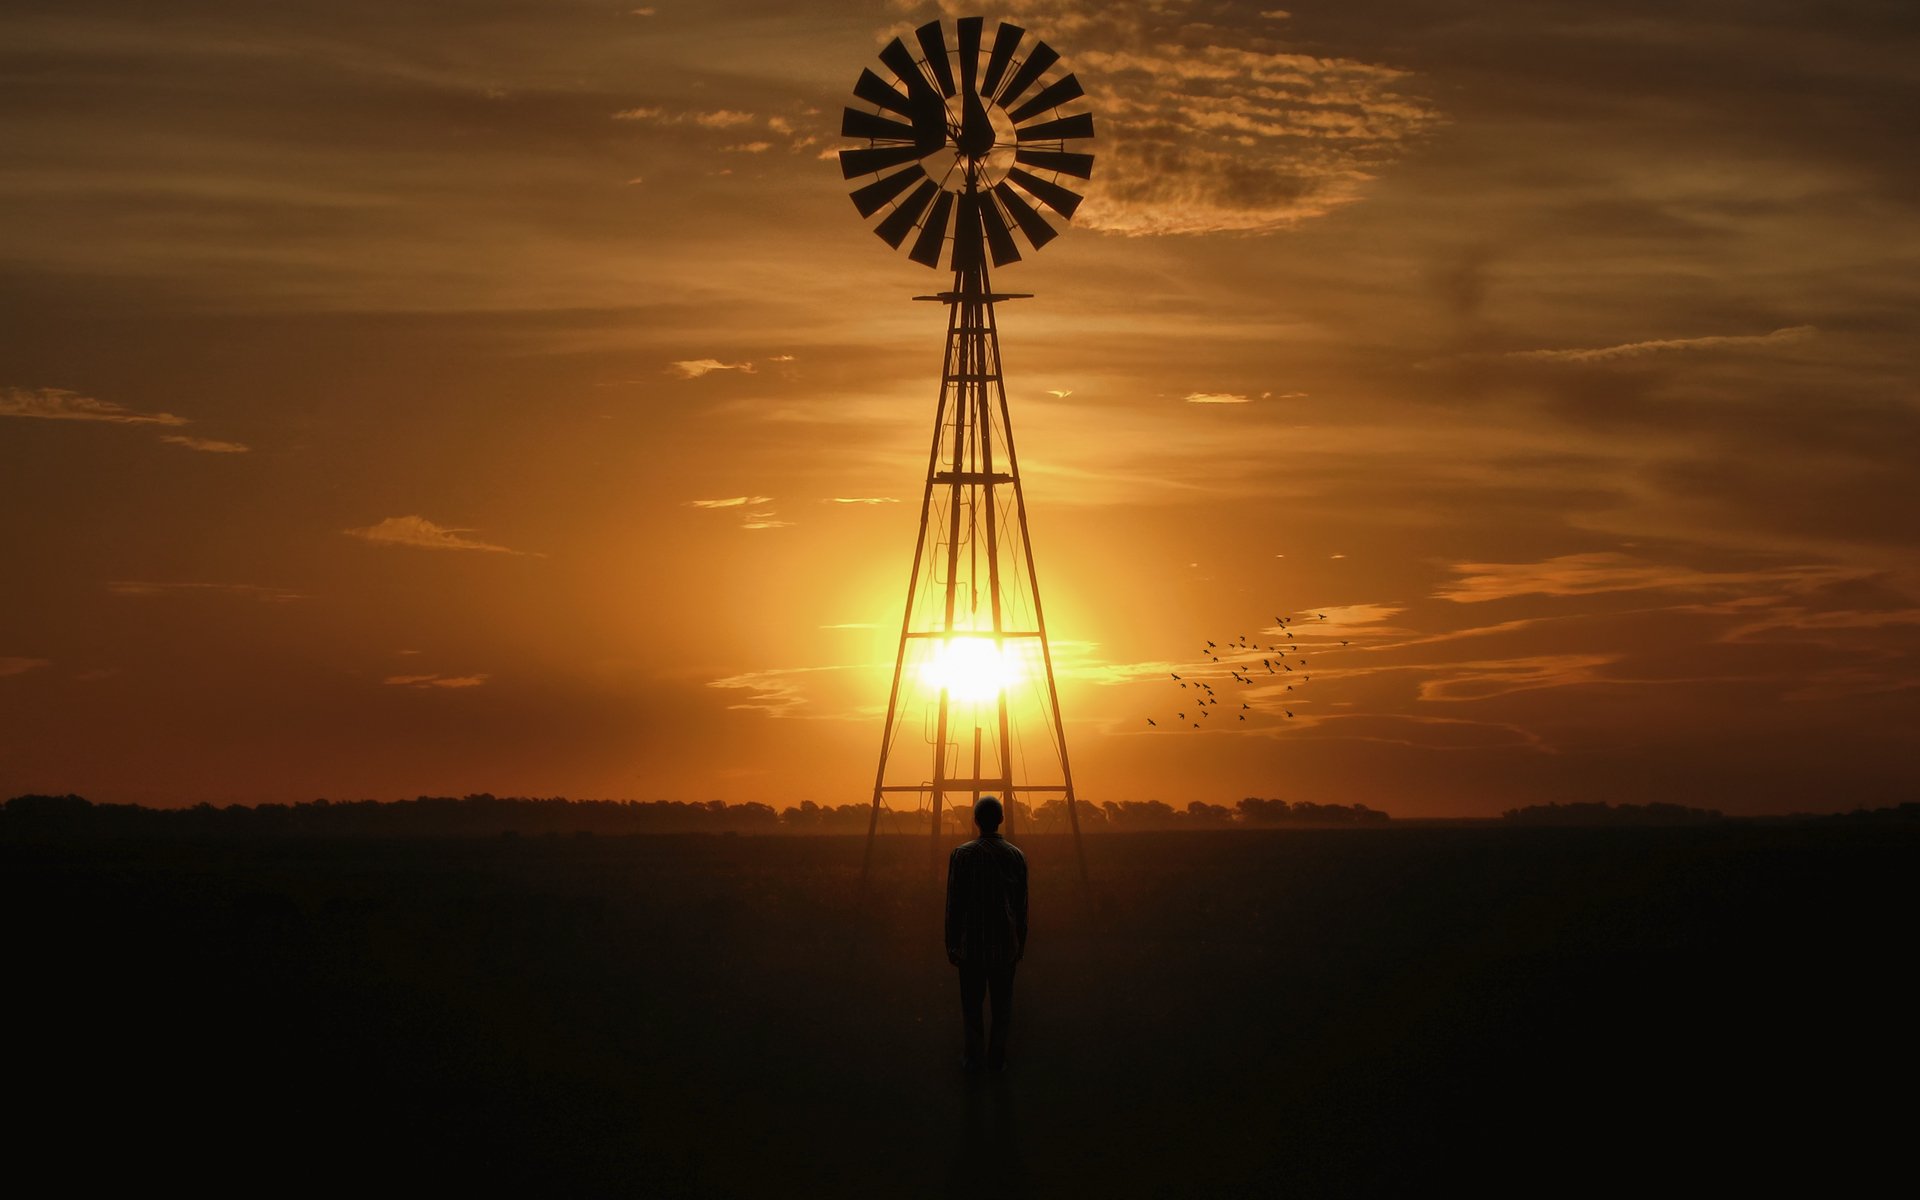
(967, 147)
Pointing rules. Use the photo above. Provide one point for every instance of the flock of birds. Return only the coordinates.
(1281, 660)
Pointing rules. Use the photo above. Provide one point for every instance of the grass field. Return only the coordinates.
(1518, 1011)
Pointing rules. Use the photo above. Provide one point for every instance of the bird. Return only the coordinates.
(1175, 674)
(1196, 724)
(1345, 643)
(1182, 716)
(1216, 658)
(1288, 711)
(1289, 633)
(1210, 646)
(1323, 616)
(1183, 685)
(1152, 722)
(1285, 665)
(1243, 716)
(1245, 705)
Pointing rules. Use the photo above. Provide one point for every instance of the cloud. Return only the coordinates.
(1605, 571)
(654, 115)
(1215, 398)
(731, 502)
(205, 445)
(435, 681)
(1486, 680)
(1062, 393)
(1207, 128)
(781, 358)
(763, 520)
(20, 666)
(748, 148)
(861, 500)
(1779, 337)
(694, 368)
(419, 532)
(58, 404)
(147, 587)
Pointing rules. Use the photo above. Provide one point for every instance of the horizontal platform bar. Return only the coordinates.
(953, 785)
(970, 378)
(957, 297)
(979, 633)
(973, 477)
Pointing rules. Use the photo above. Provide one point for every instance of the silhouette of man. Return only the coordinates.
(986, 930)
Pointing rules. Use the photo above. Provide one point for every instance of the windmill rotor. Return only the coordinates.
(967, 145)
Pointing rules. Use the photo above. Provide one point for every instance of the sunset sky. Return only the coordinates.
(503, 395)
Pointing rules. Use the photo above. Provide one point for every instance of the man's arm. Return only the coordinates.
(1020, 905)
(953, 907)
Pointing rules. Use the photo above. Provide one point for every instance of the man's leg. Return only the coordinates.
(1000, 988)
(973, 991)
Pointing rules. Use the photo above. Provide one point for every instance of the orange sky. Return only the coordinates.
(374, 375)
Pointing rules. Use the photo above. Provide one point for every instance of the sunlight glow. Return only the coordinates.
(970, 668)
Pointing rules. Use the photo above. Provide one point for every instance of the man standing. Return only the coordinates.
(986, 930)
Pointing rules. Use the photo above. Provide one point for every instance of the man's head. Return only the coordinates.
(987, 813)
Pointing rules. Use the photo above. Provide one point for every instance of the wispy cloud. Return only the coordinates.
(148, 587)
(205, 445)
(764, 520)
(731, 502)
(1205, 128)
(1215, 398)
(58, 404)
(862, 500)
(20, 666)
(694, 368)
(423, 534)
(435, 681)
(1594, 354)
(747, 148)
(1503, 677)
(1607, 571)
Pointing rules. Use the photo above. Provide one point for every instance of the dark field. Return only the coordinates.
(1528, 1011)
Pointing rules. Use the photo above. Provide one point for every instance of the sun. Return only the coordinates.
(970, 668)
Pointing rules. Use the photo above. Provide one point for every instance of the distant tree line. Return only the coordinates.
(1597, 813)
(487, 815)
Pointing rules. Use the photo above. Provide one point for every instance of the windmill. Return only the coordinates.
(966, 147)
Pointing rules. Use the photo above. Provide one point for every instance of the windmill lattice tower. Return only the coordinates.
(968, 146)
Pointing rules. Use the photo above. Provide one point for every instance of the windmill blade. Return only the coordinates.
(999, 237)
(1080, 166)
(926, 247)
(969, 28)
(1006, 40)
(901, 61)
(1031, 223)
(1043, 56)
(873, 197)
(876, 158)
(1061, 90)
(859, 123)
(877, 91)
(1080, 125)
(933, 44)
(1052, 195)
(900, 221)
